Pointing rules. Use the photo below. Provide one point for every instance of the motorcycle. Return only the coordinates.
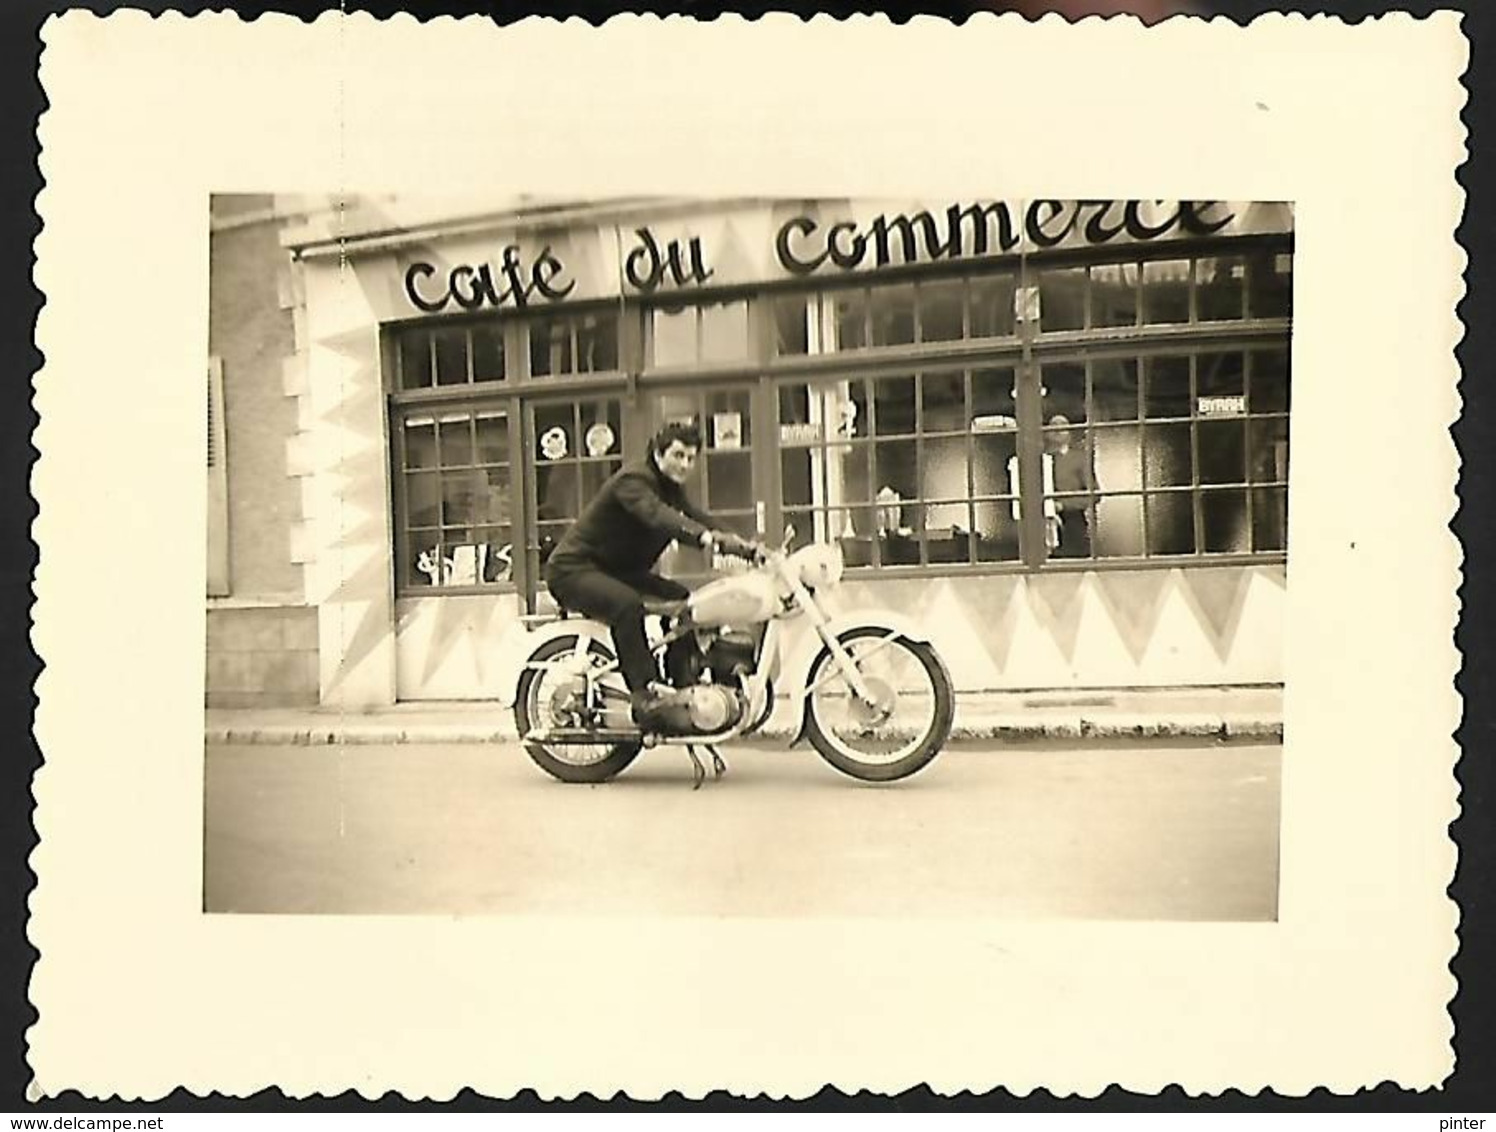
(720, 651)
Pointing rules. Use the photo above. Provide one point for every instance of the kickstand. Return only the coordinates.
(697, 770)
(719, 768)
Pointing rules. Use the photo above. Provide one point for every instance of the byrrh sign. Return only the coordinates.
(678, 254)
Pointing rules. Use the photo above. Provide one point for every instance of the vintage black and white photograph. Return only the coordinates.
(747, 556)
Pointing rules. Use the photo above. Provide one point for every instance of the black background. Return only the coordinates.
(1472, 1088)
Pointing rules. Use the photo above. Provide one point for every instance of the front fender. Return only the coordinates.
(514, 665)
(797, 667)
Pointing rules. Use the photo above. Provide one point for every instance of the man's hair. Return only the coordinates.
(684, 431)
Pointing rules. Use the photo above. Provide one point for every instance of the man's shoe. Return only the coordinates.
(649, 705)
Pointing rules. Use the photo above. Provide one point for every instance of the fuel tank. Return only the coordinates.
(744, 599)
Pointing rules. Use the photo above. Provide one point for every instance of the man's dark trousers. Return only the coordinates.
(618, 603)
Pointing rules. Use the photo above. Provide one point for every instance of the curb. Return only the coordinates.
(1213, 727)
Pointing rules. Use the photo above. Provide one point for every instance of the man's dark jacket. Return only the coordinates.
(628, 524)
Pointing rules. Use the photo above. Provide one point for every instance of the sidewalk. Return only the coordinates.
(1206, 713)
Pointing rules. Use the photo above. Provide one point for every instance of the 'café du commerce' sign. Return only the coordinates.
(736, 245)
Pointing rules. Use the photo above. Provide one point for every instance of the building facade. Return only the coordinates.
(1054, 432)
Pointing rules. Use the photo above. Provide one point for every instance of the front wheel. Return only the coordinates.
(908, 721)
(552, 683)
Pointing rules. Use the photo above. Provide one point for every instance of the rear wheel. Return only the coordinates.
(549, 688)
(908, 721)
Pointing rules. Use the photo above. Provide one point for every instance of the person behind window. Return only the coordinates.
(603, 565)
(1072, 473)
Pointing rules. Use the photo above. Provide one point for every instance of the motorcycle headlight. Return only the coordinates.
(819, 566)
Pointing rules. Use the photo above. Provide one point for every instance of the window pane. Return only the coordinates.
(493, 438)
(729, 477)
(893, 316)
(1270, 519)
(940, 311)
(494, 501)
(1223, 517)
(1171, 523)
(1166, 455)
(949, 537)
(1270, 285)
(729, 419)
(944, 473)
(593, 474)
(1119, 527)
(1223, 451)
(1220, 376)
(1268, 451)
(554, 425)
(896, 474)
(724, 331)
(550, 347)
(488, 352)
(496, 550)
(1119, 458)
(849, 315)
(673, 336)
(894, 411)
(992, 404)
(456, 439)
(597, 342)
(847, 476)
(601, 427)
(1114, 389)
(1167, 386)
(797, 468)
(461, 496)
(791, 333)
(420, 442)
(992, 306)
(943, 402)
(422, 558)
(451, 357)
(1166, 291)
(422, 499)
(1114, 294)
(1064, 386)
(1062, 299)
(1220, 287)
(557, 490)
(1270, 382)
(415, 360)
(992, 454)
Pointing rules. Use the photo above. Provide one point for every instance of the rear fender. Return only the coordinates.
(532, 641)
(797, 667)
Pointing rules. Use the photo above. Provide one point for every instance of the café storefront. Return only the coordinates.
(1053, 432)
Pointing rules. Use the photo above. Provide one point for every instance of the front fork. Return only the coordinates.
(844, 662)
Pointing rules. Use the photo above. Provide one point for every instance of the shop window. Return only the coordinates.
(990, 306)
(792, 324)
(1220, 288)
(449, 355)
(575, 446)
(1269, 285)
(1166, 454)
(904, 469)
(563, 344)
(702, 333)
(1062, 299)
(1165, 292)
(453, 499)
(897, 315)
(1114, 294)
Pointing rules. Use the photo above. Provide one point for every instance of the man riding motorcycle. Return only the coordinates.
(602, 567)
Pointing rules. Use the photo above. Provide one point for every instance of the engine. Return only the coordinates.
(713, 708)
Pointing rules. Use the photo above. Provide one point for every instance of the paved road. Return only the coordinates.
(1127, 832)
